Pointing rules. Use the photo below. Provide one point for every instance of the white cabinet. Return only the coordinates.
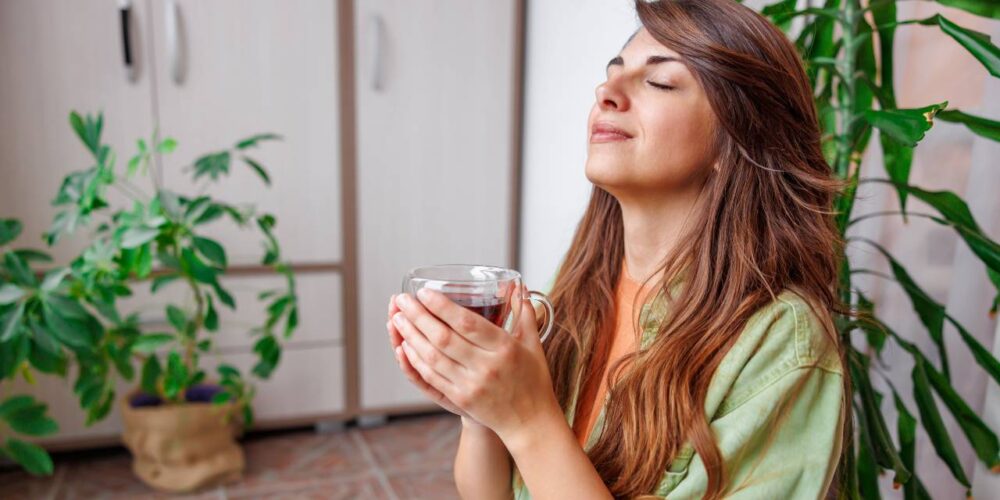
(436, 166)
(208, 74)
(241, 67)
(401, 123)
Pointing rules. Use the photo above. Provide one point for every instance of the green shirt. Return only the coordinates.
(774, 404)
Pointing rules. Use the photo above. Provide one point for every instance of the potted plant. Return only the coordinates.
(180, 422)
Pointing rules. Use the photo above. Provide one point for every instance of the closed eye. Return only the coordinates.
(660, 85)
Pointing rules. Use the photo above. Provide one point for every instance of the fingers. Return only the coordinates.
(428, 374)
(476, 329)
(436, 358)
(447, 339)
(414, 377)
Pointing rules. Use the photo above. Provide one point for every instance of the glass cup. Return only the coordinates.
(494, 293)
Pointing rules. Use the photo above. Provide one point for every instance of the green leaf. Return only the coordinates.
(898, 160)
(18, 270)
(33, 422)
(978, 44)
(211, 249)
(224, 296)
(54, 278)
(986, 8)
(270, 352)
(139, 235)
(10, 323)
(146, 344)
(10, 293)
(9, 230)
(931, 419)
(151, 371)
(212, 165)
(984, 127)
(68, 331)
(982, 439)
(28, 255)
(198, 269)
(227, 371)
(253, 140)
(32, 457)
(259, 169)
(167, 145)
(907, 126)
(176, 376)
(906, 429)
(982, 356)
(291, 321)
(883, 449)
(931, 313)
(161, 280)
(16, 404)
(211, 316)
(221, 398)
(177, 318)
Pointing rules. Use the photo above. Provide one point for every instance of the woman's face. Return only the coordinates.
(671, 128)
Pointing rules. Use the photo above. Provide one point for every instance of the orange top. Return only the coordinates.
(622, 341)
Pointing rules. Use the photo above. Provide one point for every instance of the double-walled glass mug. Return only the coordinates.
(494, 293)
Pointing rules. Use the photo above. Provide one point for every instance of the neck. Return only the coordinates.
(652, 227)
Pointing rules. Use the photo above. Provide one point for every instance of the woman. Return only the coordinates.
(711, 195)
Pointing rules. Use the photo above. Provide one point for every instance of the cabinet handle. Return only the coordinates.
(172, 31)
(376, 33)
(125, 19)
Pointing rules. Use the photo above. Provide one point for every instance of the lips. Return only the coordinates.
(608, 131)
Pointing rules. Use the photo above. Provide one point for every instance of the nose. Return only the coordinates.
(611, 97)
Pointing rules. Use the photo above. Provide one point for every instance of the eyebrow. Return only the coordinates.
(617, 60)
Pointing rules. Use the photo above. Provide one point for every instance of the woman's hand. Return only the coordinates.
(500, 380)
(396, 340)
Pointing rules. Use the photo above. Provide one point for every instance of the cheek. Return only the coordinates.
(676, 149)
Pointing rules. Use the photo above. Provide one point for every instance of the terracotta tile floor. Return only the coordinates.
(408, 458)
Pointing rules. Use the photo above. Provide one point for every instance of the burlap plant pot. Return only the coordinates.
(183, 447)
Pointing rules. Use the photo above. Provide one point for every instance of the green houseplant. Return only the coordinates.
(158, 240)
(30, 308)
(854, 94)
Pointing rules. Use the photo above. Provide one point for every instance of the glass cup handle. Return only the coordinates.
(549, 312)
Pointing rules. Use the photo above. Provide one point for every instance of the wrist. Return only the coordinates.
(531, 434)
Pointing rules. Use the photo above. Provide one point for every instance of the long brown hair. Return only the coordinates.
(765, 224)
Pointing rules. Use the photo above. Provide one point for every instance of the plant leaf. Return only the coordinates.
(148, 343)
(151, 371)
(10, 323)
(9, 230)
(931, 420)
(211, 249)
(32, 457)
(984, 127)
(978, 44)
(986, 8)
(907, 126)
(138, 235)
(257, 167)
(10, 293)
(253, 140)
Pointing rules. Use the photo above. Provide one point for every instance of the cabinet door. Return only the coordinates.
(227, 69)
(57, 56)
(435, 107)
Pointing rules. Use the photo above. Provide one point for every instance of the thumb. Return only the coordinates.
(528, 323)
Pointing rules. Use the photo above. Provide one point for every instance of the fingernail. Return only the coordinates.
(423, 294)
(398, 319)
(402, 299)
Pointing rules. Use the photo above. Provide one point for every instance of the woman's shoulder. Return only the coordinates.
(784, 335)
(794, 329)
